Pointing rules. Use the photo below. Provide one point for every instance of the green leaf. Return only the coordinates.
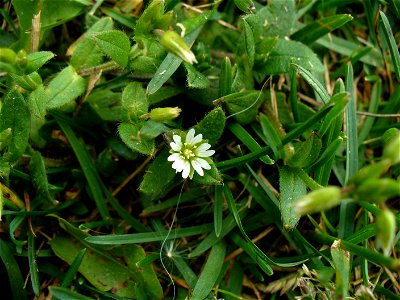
(195, 79)
(341, 261)
(306, 153)
(130, 135)
(225, 78)
(134, 99)
(15, 115)
(39, 178)
(212, 125)
(152, 18)
(159, 176)
(51, 14)
(210, 177)
(84, 52)
(319, 28)
(210, 272)
(249, 42)
(64, 88)
(218, 210)
(61, 293)
(115, 44)
(272, 137)
(273, 15)
(244, 105)
(152, 129)
(291, 187)
(105, 272)
(244, 5)
(314, 83)
(28, 82)
(14, 274)
(287, 52)
(171, 62)
(249, 141)
(37, 59)
(33, 268)
(394, 50)
(340, 100)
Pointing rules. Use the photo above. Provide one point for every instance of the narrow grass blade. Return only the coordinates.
(319, 28)
(372, 256)
(314, 83)
(293, 94)
(272, 136)
(210, 272)
(248, 140)
(61, 293)
(73, 269)
(228, 224)
(13, 271)
(234, 162)
(347, 208)
(87, 168)
(33, 268)
(218, 210)
(186, 272)
(394, 51)
(146, 237)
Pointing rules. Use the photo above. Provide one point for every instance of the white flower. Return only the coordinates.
(189, 156)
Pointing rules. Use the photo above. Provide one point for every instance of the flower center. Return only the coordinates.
(187, 151)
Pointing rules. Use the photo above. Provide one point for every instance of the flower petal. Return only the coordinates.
(179, 164)
(203, 147)
(197, 139)
(173, 156)
(177, 140)
(175, 146)
(206, 153)
(197, 166)
(190, 136)
(202, 163)
(186, 169)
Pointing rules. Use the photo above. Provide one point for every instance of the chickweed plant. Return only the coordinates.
(213, 149)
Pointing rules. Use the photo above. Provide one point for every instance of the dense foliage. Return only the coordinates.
(199, 149)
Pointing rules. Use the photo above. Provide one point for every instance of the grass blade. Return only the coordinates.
(33, 268)
(13, 271)
(218, 210)
(210, 273)
(347, 208)
(73, 269)
(319, 28)
(394, 51)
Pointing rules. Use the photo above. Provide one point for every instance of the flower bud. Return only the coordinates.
(22, 59)
(7, 55)
(318, 200)
(391, 149)
(385, 230)
(174, 43)
(378, 190)
(162, 114)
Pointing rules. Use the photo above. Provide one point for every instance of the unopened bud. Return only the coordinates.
(318, 200)
(378, 190)
(391, 150)
(22, 59)
(162, 114)
(7, 55)
(174, 43)
(385, 230)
